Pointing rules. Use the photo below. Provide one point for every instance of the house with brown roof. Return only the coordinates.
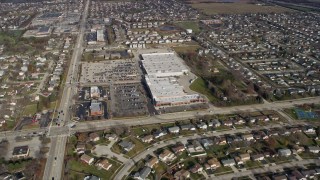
(87, 159)
(257, 157)
(244, 157)
(152, 161)
(197, 168)
(167, 156)
(212, 163)
(80, 148)
(147, 138)
(104, 164)
(178, 148)
(182, 175)
(94, 137)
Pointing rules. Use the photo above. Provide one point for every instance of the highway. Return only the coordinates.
(54, 164)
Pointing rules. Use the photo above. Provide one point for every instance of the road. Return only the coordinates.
(272, 168)
(54, 165)
(72, 74)
(163, 118)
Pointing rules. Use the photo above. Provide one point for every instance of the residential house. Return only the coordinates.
(206, 143)
(91, 177)
(279, 177)
(227, 123)
(297, 175)
(147, 138)
(212, 163)
(309, 130)
(238, 121)
(284, 152)
(228, 162)
(202, 126)
(298, 149)
(188, 127)
(87, 159)
(314, 149)
(247, 137)
(104, 164)
(174, 129)
(143, 174)
(274, 117)
(178, 148)
(195, 146)
(216, 123)
(111, 137)
(308, 173)
(197, 168)
(152, 161)
(80, 148)
(126, 145)
(159, 134)
(167, 156)
(244, 157)
(182, 175)
(257, 157)
(222, 140)
(94, 137)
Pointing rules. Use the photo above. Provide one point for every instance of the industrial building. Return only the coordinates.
(163, 64)
(162, 70)
(100, 35)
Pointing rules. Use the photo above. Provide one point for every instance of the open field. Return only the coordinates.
(236, 8)
(199, 85)
(189, 25)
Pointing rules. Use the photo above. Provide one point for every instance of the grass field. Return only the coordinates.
(79, 170)
(189, 25)
(186, 49)
(236, 8)
(199, 86)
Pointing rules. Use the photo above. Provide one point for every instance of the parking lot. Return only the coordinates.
(34, 144)
(110, 71)
(129, 100)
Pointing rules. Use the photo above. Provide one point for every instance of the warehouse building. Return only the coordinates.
(100, 35)
(162, 70)
(163, 64)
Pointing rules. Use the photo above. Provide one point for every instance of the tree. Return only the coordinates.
(82, 137)
(271, 142)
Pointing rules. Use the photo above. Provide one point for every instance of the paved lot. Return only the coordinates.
(129, 100)
(34, 144)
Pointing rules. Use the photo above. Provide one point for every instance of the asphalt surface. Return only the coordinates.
(54, 165)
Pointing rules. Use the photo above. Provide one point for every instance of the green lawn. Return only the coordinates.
(83, 168)
(116, 148)
(252, 164)
(160, 168)
(222, 170)
(199, 85)
(30, 109)
(308, 155)
(189, 25)
(139, 147)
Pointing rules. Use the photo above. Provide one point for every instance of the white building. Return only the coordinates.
(100, 35)
(163, 64)
(162, 70)
(167, 92)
